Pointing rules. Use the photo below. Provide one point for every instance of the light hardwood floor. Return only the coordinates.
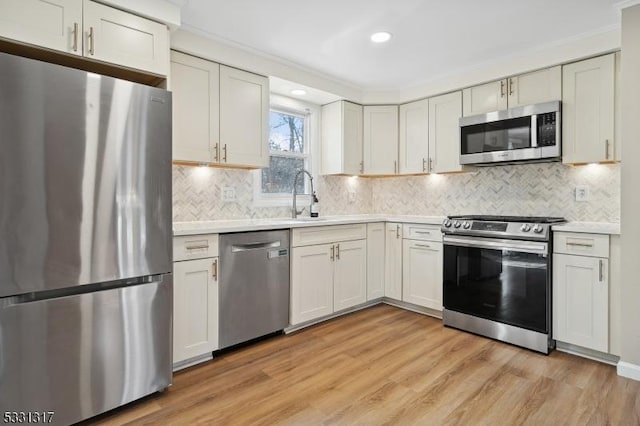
(387, 365)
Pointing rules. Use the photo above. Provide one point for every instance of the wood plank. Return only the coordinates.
(385, 365)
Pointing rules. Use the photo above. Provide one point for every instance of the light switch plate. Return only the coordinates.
(228, 194)
(582, 193)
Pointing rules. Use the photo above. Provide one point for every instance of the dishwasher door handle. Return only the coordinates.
(254, 246)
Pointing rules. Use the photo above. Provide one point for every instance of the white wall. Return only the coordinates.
(630, 178)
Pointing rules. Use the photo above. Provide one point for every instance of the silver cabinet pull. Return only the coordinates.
(333, 252)
(430, 164)
(362, 167)
(91, 37)
(423, 245)
(224, 150)
(579, 243)
(510, 86)
(216, 152)
(502, 88)
(423, 232)
(606, 149)
(397, 231)
(75, 36)
(214, 270)
(424, 165)
(338, 251)
(601, 270)
(198, 247)
(395, 166)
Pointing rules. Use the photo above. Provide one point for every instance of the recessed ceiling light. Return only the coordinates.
(299, 92)
(380, 37)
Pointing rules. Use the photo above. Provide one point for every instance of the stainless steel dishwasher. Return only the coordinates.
(254, 285)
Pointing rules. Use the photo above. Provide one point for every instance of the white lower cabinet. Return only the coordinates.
(311, 282)
(393, 261)
(422, 273)
(581, 301)
(195, 308)
(350, 274)
(328, 273)
(375, 263)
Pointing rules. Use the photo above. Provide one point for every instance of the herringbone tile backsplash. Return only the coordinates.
(527, 189)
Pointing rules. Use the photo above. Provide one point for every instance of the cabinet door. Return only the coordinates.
(375, 260)
(196, 120)
(244, 118)
(422, 273)
(381, 140)
(581, 301)
(485, 98)
(413, 146)
(53, 24)
(195, 308)
(118, 37)
(588, 104)
(535, 87)
(350, 274)
(352, 139)
(393, 261)
(444, 133)
(311, 282)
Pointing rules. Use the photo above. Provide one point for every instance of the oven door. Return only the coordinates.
(501, 280)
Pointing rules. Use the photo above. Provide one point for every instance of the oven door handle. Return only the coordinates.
(511, 245)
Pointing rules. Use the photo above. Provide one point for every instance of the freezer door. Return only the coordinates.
(85, 177)
(81, 355)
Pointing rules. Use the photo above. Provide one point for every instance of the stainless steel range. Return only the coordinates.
(497, 278)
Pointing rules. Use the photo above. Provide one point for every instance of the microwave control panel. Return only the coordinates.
(547, 129)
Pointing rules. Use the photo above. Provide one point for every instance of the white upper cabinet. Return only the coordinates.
(89, 29)
(588, 107)
(535, 87)
(244, 118)
(380, 140)
(444, 133)
(117, 37)
(342, 138)
(196, 118)
(485, 98)
(220, 114)
(531, 88)
(52, 24)
(413, 145)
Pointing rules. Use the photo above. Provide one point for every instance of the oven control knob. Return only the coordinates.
(525, 227)
(447, 223)
(466, 225)
(456, 224)
(537, 229)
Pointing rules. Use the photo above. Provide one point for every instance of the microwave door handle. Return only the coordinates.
(534, 131)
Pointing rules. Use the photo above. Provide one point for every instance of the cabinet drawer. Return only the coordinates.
(596, 245)
(328, 234)
(190, 247)
(422, 232)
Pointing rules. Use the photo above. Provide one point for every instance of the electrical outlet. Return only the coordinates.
(582, 193)
(228, 194)
(352, 197)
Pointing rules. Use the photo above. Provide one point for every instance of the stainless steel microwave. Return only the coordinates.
(523, 134)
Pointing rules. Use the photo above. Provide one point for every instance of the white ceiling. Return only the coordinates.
(431, 39)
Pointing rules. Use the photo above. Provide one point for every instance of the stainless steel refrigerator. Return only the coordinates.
(85, 241)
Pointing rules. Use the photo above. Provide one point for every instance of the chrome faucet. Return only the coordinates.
(294, 210)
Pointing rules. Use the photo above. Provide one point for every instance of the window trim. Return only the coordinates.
(310, 113)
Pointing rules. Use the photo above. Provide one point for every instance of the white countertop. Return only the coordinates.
(589, 227)
(242, 225)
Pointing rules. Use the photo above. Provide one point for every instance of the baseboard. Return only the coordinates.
(413, 308)
(587, 353)
(628, 370)
(300, 326)
(192, 361)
